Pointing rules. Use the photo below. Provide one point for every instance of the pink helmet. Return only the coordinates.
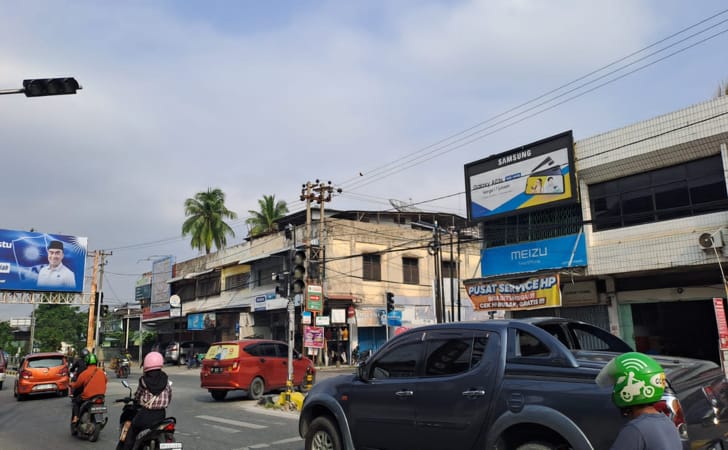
(153, 361)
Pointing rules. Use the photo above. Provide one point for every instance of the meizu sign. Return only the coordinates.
(31, 261)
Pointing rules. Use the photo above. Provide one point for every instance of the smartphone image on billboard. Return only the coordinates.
(545, 178)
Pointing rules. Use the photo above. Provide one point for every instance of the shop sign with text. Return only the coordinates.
(515, 294)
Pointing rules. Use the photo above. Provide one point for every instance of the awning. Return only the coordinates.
(255, 258)
(188, 276)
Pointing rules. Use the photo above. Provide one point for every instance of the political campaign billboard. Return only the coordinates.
(536, 175)
(32, 261)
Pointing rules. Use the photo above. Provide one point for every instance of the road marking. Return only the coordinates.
(232, 422)
(287, 441)
(222, 428)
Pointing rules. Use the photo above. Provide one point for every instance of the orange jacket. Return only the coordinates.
(93, 382)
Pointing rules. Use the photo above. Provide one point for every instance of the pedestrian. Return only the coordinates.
(153, 396)
(637, 383)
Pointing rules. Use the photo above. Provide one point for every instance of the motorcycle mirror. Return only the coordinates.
(125, 383)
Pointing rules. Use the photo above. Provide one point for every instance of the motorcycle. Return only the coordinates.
(157, 437)
(123, 368)
(91, 419)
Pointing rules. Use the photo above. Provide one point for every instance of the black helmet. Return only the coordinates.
(84, 353)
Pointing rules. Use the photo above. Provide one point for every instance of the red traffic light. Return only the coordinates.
(41, 87)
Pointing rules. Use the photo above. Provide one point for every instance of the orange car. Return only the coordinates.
(41, 373)
(253, 365)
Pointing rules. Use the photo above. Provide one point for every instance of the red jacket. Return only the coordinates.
(93, 382)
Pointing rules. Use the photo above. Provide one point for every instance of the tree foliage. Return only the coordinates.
(60, 323)
(205, 223)
(6, 337)
(264, 220)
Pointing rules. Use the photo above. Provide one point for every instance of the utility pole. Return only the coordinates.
(322, 193)
(92, 333)
(92, 305)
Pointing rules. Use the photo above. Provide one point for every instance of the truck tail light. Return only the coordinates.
(671, 407)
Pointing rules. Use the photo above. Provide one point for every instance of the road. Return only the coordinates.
(202, 423)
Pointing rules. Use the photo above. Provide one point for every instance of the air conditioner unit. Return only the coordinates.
(707, 241)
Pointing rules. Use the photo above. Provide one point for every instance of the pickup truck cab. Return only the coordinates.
(498, 384)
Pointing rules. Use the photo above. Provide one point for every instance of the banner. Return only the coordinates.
(313, 337)
(510, 295)
(31, 261)
(201, 321)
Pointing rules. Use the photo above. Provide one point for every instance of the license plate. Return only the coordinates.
(216, 370)
(99, 418)
(43, 387)
(168, 445)
(97, 409)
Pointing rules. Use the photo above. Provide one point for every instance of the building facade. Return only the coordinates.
(357, 257)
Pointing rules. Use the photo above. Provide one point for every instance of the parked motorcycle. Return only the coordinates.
(123, 368)
(158, 436)
(91, 419)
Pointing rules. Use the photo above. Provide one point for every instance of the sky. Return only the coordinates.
(388, 100)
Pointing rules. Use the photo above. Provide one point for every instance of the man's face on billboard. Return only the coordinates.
(55, 257)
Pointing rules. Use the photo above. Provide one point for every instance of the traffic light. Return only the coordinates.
(104, 310)
(298, 272)
(281, 284)
(41, 87)
(390, 302)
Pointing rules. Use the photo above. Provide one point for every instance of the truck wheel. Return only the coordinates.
(256, 389)
(535, 446)
(323, 435)
(218, 394)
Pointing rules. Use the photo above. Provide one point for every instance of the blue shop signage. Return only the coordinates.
(556, 253)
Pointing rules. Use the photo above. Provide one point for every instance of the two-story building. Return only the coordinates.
(358, 257)
(634, 222)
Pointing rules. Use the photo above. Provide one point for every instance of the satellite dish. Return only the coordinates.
(175, 301)
(402, 206)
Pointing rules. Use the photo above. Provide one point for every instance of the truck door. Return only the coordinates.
(453, 398)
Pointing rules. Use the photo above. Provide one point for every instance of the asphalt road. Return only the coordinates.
(202, 423)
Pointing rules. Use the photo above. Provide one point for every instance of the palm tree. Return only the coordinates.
(205, 213)
(264, 221)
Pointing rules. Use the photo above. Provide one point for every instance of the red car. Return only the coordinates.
(41, 373)
(253, 365)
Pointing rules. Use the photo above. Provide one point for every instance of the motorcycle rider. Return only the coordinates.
(90, 382)
(638, 382)
(153, 395)
(79, 364)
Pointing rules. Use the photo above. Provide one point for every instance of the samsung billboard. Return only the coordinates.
(536, 175)
(31, 261)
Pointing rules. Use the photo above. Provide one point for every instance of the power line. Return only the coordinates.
(411, 159)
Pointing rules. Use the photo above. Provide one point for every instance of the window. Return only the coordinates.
(410, 271)
(450, 355)
(530, 345)
(398, 362)
(238, 281)
(372, 267)
(449, 269)
(208, 286)
(684, 190)
(533, 226)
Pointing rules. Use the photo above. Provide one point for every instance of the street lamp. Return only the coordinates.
(42, 87)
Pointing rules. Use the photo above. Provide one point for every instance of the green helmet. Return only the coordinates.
(91, 359)
(637, 379)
